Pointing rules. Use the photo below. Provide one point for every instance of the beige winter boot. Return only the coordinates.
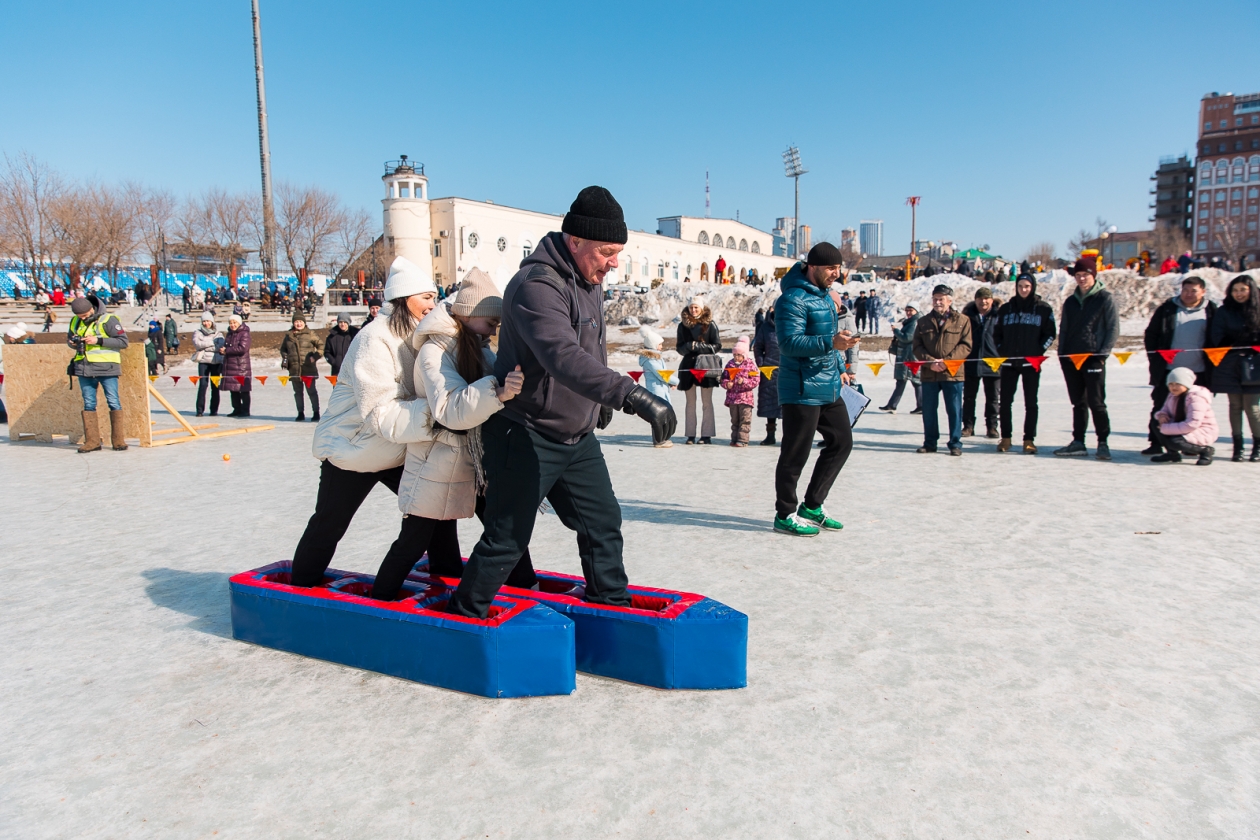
(1004, 445)
(91, 433)
(116, 430)
(1030, 448)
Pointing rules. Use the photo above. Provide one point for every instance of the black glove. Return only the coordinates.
(605, 417)
(656, 411)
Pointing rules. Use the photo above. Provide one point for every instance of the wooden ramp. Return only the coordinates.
(189, 432)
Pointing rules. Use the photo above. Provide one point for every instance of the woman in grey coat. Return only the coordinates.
(902, 350)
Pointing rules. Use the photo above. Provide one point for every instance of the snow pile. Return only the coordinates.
(736, 306)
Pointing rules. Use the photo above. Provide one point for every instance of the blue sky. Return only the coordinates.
(1016, 122)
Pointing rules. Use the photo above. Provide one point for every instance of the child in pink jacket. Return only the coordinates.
(1187, 424)
(740, 379)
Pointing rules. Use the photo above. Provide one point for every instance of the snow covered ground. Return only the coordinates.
(995, 646)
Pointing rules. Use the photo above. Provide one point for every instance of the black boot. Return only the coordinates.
(1238, 448)
(1255, 450)
(770, 429)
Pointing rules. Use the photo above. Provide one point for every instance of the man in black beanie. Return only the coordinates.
(541, 444)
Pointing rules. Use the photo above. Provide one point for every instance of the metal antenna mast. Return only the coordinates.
(264, 151)
(792, 168)
(706, 193)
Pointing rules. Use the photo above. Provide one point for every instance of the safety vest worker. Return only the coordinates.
(98, 339)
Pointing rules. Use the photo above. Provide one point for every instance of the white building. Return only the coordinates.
(871, 237)
(460, 234)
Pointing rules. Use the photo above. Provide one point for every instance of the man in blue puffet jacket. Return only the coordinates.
(811, 373)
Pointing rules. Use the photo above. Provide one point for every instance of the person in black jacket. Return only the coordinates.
(540, 445)
(766, 351)
(1088, 325)
(698, 336)
(1237, 324)
(338, 342)
(1182, 323)
(983, 314)
(1024, 328)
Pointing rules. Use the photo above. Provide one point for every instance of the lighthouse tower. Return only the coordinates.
(406, 210)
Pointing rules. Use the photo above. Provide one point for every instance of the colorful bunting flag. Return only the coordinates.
(1, 378)
(1215, 354)
(666, 374)
(952, 365)
(1079, 359)
(284, 380)
(1123, 357)
(332, 379)
(635, 374)
(153, 379)
(768, 371)
(175, 380)
(994, 362)
(240, 380)
(1256, 347)
(1036, 362)
(875, 367)
(914, 367)
(194, 379)
(262, 380)
(698, 374)
(307, 380)
(215, 380)
(1168, 355)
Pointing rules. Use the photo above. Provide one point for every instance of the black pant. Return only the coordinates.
(522, 468)
(1178, 443)
(799, 424)
(240, 403)
(895, 399)
(860, 320)
(206, 371)
(297, 384)
(971, 387)
(440, 537)
(1012, 373)
(1087, 389)
(340, 494)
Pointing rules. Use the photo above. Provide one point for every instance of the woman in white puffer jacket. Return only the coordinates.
(442, 480)
(372, 416)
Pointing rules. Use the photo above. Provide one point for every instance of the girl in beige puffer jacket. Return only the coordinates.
(442, 479)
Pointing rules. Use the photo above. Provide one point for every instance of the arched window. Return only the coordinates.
(688, 271)
(756, 247)
(717, 240)
(704, 272)
(704, 238)
(527, 248)
(629, 267)
(660, 270)
(730, 242)
(675, 271)
(645, 264)
(743, 244)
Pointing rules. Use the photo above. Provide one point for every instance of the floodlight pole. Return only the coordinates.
(268, 254)
(792, 168)
(913, 201)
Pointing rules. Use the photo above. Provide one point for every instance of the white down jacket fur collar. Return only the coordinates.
(373, 413)
(440, 477)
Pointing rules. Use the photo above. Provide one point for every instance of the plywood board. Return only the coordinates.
(43, 400)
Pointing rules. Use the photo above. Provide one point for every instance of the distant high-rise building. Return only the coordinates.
(849, 240)
(805, 244)
(1174, 195)
(784, 229)
(871, 237)
(1228, 206)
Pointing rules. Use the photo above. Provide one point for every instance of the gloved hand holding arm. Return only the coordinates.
(658, 413)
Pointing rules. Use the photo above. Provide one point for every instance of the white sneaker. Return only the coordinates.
(665, 445)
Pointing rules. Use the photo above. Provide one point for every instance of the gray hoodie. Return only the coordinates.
(553, 327)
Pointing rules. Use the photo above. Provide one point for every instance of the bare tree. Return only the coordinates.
(1228, 234)
(308, 220)
(78, 232)
(1170, 241)
(191, 225)
(229, 224)
(28, 188)
(155, 210)
(1041, 252)
(354, 237)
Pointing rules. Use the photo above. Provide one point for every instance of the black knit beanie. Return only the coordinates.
(596, 215)
(824, 253)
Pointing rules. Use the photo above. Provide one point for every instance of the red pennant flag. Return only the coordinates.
(1, 378)
(176, 380)
(307, 380)
(952, 365)
(698, 374)
(1168, 355)
(262, 380)
(1035, 361)
(193, 379)
(1079, 359)
(635, 374)
(240, 380)
(332, 379)
(1256, 347)
(914, 367)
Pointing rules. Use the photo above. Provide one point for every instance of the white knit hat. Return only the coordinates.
(478, 296)
(651, 338)
(16, 331)
(1181, 376)
(406, 279)
(698, 300)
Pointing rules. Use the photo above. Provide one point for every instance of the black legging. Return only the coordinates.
(439, 537)
(341, 492)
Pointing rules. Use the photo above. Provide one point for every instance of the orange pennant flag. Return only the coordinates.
(768, 371)
(332, 379)
(952, 365)
(1122, 357)
(876, 367)
(194, 379)
(666, 374)
(994, 362)
(284, 380)
(1215, 353)
(262, 380)
(1078, 359)
(153, 379)
(215, 380)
